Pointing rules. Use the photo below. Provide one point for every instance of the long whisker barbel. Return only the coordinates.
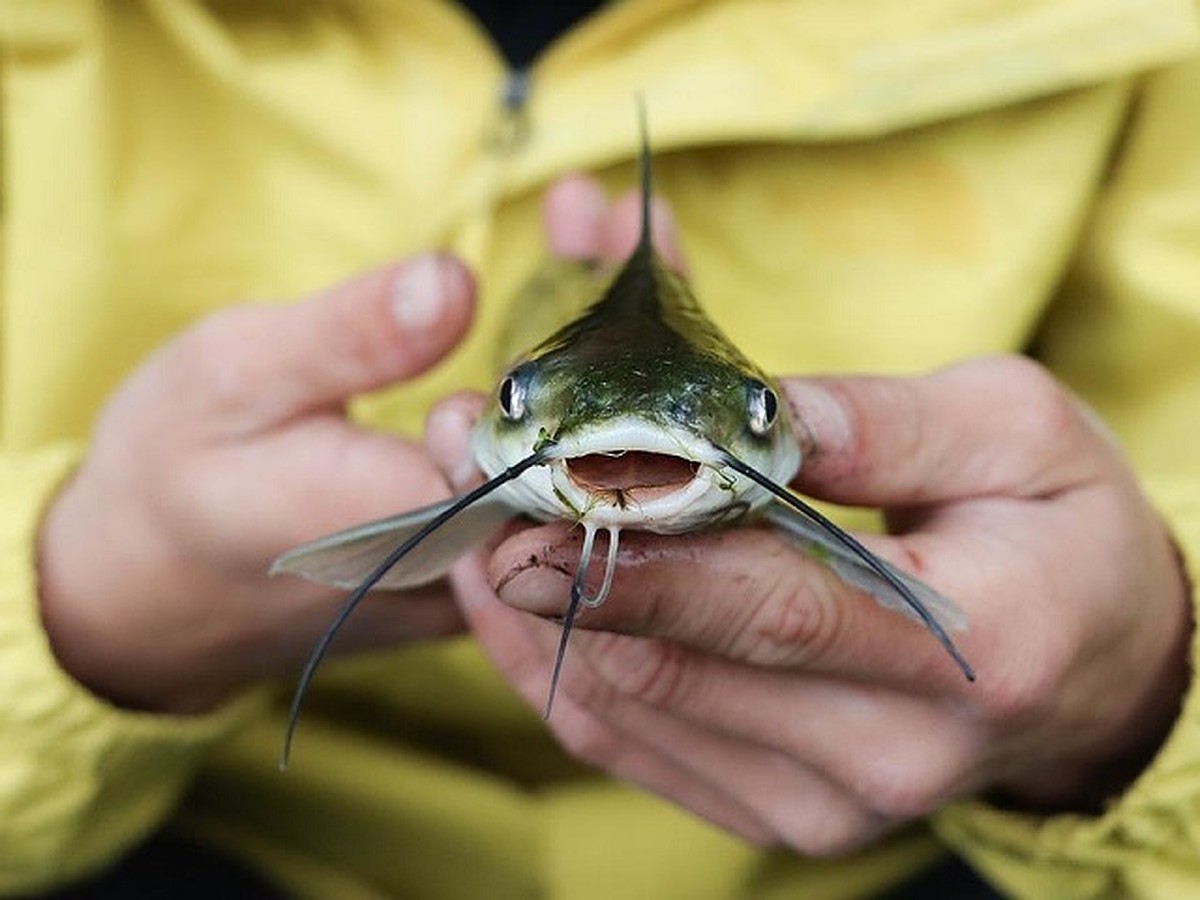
(538, 457)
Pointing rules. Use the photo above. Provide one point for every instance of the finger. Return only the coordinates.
(897, 756)
(572, 210)
(448, 436)
(519, 646)
(324, 476)
(389, 618)
(802, 807)
(749, 787)
(624, 755)
(278, 362)
(748, 595)
(621, 228)
(984, 427)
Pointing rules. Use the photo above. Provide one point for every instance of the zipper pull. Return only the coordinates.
(512, 127)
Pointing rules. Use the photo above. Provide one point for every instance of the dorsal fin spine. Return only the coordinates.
(647, 179)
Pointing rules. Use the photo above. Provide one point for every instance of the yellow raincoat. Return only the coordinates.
(882, 185)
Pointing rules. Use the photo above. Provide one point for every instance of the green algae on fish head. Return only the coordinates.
(645, 350)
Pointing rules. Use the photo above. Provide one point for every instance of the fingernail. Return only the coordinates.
(448, 438)
(421, 290)
(464, 475)
(537, 589)
(447, 432)
(818, 417)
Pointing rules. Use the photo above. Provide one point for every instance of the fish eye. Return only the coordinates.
(511, 397)
(762, 407)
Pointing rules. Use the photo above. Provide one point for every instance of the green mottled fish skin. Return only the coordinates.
(558, 292)
(644, 349)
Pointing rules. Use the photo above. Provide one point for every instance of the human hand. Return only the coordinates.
(228, 445)
(738, 677)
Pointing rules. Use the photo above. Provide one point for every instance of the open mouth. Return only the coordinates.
(631, 476)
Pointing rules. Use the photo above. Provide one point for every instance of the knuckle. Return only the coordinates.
(1019, 695)
(873, 437)
(214, 334)
(916, 775)
(834, 834)
(586, 738)
(652, 671)
(905, 434)
(364, 336)
(816, 815)
(789, 623)
(215, 357)
(1025, 374)
(1043, 408)
(901, 789)
(1048, 408)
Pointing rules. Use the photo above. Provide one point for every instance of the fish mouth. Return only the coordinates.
(627, 477)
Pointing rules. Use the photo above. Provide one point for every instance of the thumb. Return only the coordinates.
(988, 426)
(380, 327)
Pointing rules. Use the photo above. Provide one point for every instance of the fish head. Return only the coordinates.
(637, 415)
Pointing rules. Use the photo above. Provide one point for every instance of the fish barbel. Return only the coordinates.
(637, 413)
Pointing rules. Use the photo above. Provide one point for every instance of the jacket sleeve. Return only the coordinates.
(80, 780)
(1126, 336)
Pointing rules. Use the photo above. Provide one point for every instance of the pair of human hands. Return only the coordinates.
(727, 671)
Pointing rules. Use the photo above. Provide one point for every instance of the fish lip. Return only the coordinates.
(666, 511)
(632, 436)
(628, 434)
(547, 491)
(655, 510)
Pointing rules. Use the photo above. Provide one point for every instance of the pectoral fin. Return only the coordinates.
(854, 571)
(346, 558)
